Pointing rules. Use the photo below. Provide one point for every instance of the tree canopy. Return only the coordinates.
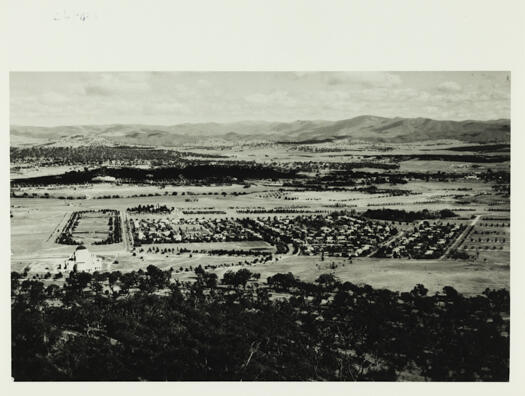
(151, 327)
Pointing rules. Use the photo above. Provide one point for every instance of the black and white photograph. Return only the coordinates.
(228, 226)
(277, 197)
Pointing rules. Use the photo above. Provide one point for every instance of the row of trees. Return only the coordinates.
(407, 216)
(150, 208)
(114, 230)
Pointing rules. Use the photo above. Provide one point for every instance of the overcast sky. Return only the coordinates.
(48, 99)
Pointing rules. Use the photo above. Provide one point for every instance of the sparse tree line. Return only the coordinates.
(45, 195)
(279, 211)
(163, 209)
(115, 230)
(211, 252)
(201, 212)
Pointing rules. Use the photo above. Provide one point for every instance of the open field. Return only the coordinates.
(468, 277)
(394, 274)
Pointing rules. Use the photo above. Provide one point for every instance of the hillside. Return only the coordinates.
(362, 128)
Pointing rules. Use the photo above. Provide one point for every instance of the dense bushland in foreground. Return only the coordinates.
(145, 326)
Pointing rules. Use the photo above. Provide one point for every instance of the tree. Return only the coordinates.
(228, 278)
(128, 280)
(199, 270)
(15, 281)
(113, 278)
(241, 277)
(329, 281)
(419, 290)
(210, 279)
(77, 282)
(53, 291)
(450, 293)
(282, 281)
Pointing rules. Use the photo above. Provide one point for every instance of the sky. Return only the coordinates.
(168, 98)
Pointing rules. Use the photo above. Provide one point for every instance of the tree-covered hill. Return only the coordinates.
(145, 326)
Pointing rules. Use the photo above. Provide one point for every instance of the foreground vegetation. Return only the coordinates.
(144, 326)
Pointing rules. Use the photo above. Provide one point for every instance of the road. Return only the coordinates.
(394, 238)
(58, 229)
(460, 237)
(126, 235)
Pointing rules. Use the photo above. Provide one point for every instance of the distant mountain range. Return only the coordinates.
(362, 128)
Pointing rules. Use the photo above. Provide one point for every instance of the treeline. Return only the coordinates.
(481, 148)
(208, 173)
(407, 216)
(145, 326)
(340, 179)
(150, 208)
(390, 192)
(201, 212)
(368, 164)
(473, 158)
(99, 154)
(114, 231)
(279, 211)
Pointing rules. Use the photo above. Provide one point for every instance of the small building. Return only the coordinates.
(104, 179)
(82, 260)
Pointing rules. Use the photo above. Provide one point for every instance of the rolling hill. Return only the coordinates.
(362, 128)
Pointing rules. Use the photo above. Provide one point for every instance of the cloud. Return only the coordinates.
(351, 79)
(170, 98)
(449, 86)
(96, 90)
(165, 108)
(204, 83)
(366, 79)
(107, 84)
(52, 98)
(274, 98)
